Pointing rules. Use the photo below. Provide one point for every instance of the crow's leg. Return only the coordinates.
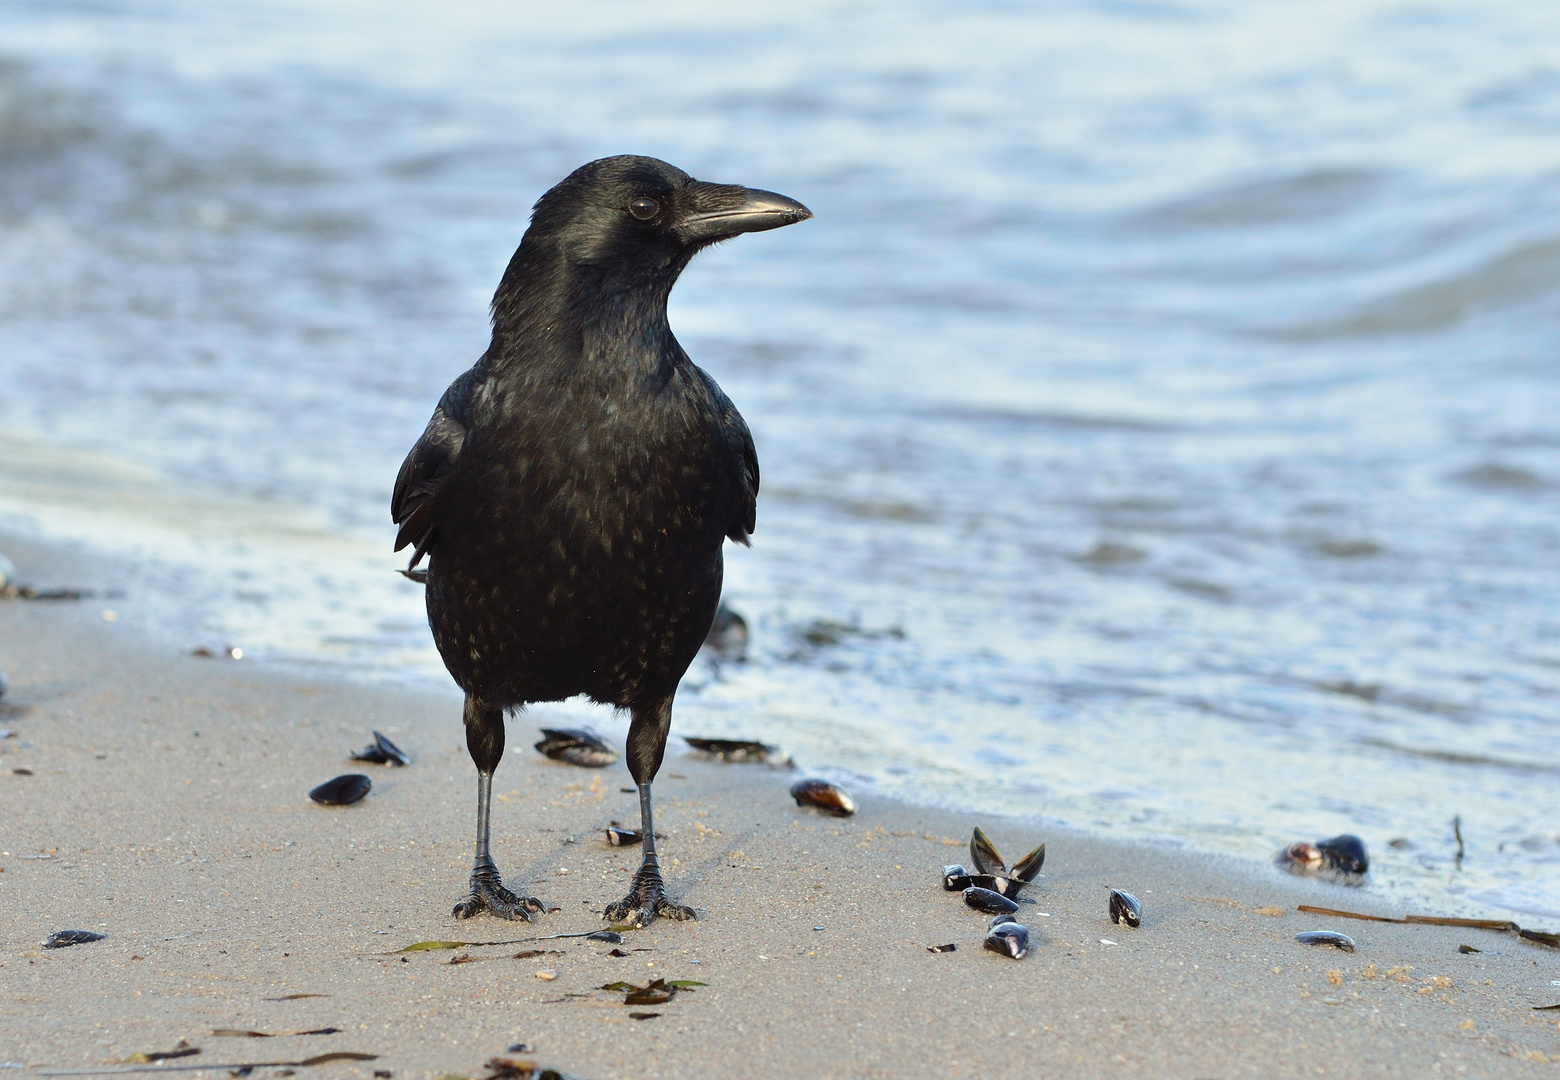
(646, 746)
(485, 740)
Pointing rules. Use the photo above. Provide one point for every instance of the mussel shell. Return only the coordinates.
(983, 853)
(1004, 917)
(611, 937)
(1028, 868)
(576, 746)
(992, 903)
(382, 752)
(1124, 908)
(734, 751)
(624, 837)
(1326, 937)
(342, 791)
(1009, 938)
(823, 795)
(1345, 854)
(62, 939)
(955, 878)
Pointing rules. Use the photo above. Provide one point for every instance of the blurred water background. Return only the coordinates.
(1158, 422)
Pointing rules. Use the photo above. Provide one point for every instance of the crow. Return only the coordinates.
(574, 489)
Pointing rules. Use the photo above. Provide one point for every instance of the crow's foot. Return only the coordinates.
(645, 901)
(488, 894)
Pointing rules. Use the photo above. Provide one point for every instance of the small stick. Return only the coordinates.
(1345, 914)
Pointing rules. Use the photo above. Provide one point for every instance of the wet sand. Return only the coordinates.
(169, 794)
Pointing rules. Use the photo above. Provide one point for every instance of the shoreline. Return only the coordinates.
(220, 885)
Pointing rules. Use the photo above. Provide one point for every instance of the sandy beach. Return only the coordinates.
(161, 799)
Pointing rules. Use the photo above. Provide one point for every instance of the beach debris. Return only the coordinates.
(1538, 937)
(823, 795)
(528, 954)
(512, 1069)
(950, 947)
(1457, 835)
(230, 652)
(64, 939)
(382, 752)
(1545, 1008)
(1008, 937)
(1124, 908)
(988, 901)
(733, 751)
(240, 1033)
(621, 837)
(342, 791)
(1466, 949)
(658, 992)
(1106, 941)
(464, 958)
(545, 974)
(1341, 859)
(154, 1060)
(576, 746)
(728, 636)
(294, 997)
(643, 1015)
(146, 1057)
(610, 936)
(955, 878)
(1326, 937)
(22, 772)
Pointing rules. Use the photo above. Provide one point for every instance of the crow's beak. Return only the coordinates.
(717, 211)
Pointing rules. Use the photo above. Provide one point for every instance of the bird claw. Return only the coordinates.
(645, 901)
(489, 894)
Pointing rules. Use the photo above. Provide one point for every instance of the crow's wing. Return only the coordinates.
(414, 504)
(743, 457)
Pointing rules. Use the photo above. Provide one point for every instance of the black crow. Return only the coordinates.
(573, 490)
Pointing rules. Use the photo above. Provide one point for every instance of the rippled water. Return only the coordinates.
(1158, 421)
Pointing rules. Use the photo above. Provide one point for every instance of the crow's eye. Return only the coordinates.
(644, 208)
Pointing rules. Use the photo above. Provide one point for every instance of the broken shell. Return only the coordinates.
(62, 939)
(1009, 939)
(611, 937)
(576, 746)
(950, 947)
(1004, 917)
(992, 903)
(732, 751)
(382, 752)
(1326, 937)
(342, 791)
(983, 853)
(823, 795)
(1124, 908)
(624, 837)
(955, 878)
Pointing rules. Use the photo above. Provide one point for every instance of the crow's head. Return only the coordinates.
(639, 220)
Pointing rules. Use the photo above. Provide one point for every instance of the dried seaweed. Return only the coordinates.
(240, 1033)
(658, 992)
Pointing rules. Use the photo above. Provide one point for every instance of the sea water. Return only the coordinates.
(1158, 420)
